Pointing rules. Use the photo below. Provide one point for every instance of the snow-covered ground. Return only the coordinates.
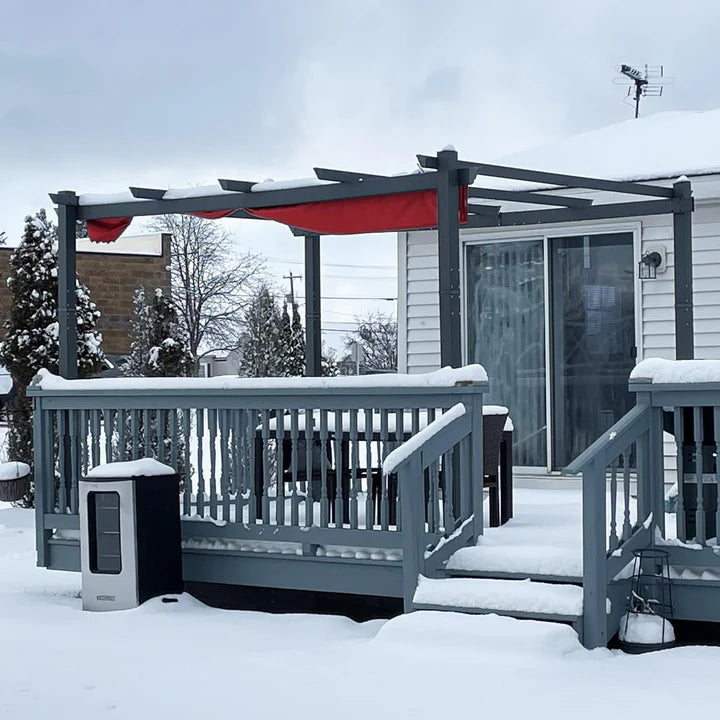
(186, 660)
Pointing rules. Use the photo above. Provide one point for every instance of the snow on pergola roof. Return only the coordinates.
(659, 146)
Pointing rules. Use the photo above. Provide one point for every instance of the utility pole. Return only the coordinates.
(291, 277)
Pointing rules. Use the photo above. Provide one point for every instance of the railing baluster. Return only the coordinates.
(433, 492)
(384, 479)
(95, 430)
(121, 448)
(265, 430)
(160, 434)
(62, 464)
(369, 469)
(627, 526)
(280, 473)
(613, 540)
(294, 435)
(679, 433)
(395, 495)
(108, 426)
(699, 468)
(224, 465)
(324, 503)
(308, 434)
(339, 469)
(212, 479)
(135, 433)
(449, 477)
(237, 459)
(174, 439)
(253, 460)
(200, 436)
(354, 464)
(84, 440)
(74, 461)
(147, 432)
(186, 474)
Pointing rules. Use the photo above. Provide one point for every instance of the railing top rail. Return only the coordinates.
(613, 441)
(657, 375)
(454, 424)
(648, 385)
(448, 381)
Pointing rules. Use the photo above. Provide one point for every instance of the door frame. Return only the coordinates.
(493, 235)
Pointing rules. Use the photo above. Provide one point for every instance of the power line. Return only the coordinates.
(353, 297)
(339, 265)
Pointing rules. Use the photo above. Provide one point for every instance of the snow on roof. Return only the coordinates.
(663, 145)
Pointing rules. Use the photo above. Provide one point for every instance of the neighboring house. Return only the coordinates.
(111, 271)
(558, 315)
(220, 362)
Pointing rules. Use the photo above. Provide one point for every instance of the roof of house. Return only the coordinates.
(664, 145)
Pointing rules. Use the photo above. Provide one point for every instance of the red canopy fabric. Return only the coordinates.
(377, 213)
(107, 230)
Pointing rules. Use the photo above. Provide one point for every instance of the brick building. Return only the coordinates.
(111, 272)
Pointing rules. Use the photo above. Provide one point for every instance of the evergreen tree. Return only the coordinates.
(32, 333)
(159, 346)
(261, 342)
(296, 349)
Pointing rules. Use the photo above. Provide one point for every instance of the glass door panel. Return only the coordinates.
(506, 334)
(593, 338)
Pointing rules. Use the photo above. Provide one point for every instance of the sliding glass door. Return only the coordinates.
(506, 334)
(592, 329)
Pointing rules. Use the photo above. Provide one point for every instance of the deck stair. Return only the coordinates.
(523, 581)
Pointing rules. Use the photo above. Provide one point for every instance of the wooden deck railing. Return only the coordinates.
(292, 461)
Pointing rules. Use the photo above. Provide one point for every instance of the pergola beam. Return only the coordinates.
(271, 198)
(236, 185)
(344, 176)
(560, 179)
(594, 212)
(147, 193)
(523, 196)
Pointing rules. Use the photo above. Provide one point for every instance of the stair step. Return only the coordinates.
(499, 575)
(488, 559)
(519, 598)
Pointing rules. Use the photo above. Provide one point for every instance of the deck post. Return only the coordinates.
(313, 332)
(448, 235)
(410, 481)
(682, 250)
(476, 464)
(594, 557)
(67, 299)
(41, 433)
(656, 468)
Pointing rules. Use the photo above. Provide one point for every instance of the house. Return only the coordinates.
(220, 362)
(557, 313)
(111, 272)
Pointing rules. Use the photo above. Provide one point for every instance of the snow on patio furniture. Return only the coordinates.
(14, 481)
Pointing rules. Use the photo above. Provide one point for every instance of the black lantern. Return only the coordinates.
(648, 265)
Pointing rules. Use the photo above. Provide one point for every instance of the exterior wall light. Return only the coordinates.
(648, 265)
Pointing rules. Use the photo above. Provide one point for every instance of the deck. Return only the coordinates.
(376, 488)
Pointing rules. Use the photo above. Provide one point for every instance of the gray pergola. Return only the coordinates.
(446, 175)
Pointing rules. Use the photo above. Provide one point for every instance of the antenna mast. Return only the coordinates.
(644, 83)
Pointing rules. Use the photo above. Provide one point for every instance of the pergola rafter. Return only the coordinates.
(344, 202)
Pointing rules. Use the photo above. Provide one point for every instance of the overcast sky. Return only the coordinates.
(98, 95)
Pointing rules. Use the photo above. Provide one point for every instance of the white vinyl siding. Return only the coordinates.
(420, 331)
(420, 327)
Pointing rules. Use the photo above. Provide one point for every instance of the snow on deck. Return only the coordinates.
(662, 371)
(501, 595)
(544, 538)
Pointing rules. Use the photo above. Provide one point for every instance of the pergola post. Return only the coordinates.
(313, 336)
(682, 249)
(448, 202)
(67, 298)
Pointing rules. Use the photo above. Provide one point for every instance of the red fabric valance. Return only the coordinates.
(107, 230)
(378, 213)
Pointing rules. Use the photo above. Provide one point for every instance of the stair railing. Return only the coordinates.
(630, 452)
(450, 446)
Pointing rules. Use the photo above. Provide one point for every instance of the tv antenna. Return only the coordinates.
(648, 82)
